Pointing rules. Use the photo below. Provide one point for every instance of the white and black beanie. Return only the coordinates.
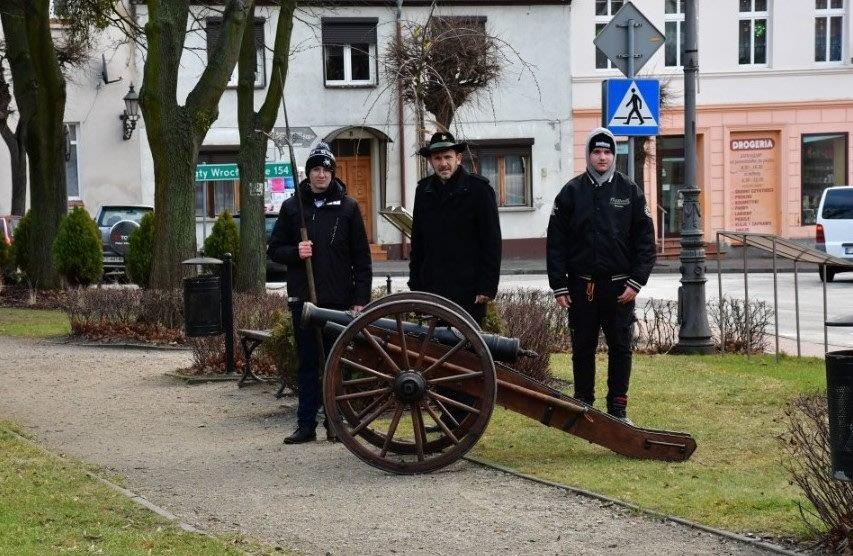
(321, 155)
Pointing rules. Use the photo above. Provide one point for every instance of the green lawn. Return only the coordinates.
(49, 505)
(732, 405)
(33, 323)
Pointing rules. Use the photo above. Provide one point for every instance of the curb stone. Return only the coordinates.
(136, 498)
(769, 547)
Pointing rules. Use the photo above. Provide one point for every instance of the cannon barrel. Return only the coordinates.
(506, 350)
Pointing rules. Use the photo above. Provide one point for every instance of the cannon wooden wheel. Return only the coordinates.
(385, 388)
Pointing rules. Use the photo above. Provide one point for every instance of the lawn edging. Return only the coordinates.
(764, 545)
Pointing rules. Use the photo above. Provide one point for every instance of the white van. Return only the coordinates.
(834, 233)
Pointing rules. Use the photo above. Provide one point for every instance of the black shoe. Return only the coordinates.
(302, 435)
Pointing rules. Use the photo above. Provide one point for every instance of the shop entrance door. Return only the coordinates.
(670, 167)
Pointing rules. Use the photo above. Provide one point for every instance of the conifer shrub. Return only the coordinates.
(140, 252)
(77, 250)
(224, 238)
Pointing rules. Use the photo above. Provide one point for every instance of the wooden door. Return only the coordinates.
(355, 172)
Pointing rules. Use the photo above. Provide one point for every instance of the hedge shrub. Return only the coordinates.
(140, 252)
(21, 245)
(224, 238)
(77, 250)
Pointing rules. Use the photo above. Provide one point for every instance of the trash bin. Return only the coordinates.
(203, 306)
(839, 398)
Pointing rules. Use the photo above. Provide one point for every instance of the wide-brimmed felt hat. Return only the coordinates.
(442, 141)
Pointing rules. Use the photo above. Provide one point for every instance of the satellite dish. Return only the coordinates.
(105, 75)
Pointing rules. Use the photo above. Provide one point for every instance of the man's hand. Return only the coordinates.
(480, 299)
(357, 308)
(564, 301)
(305, 249)
(627, 296)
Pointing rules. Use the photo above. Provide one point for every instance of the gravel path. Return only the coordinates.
(212, 454)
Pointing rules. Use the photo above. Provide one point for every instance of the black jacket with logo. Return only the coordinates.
(456, 238)
(341, 254)
(600, 231)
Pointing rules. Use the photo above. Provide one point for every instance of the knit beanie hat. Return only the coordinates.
(321, 155)
(602, 140)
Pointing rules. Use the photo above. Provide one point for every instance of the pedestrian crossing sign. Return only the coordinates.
(632, 106)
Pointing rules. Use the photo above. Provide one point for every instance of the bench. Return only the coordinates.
(250, 340)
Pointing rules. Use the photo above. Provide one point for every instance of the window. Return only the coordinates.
(824, 164)
(349, 51)
(72, 161)
(221, 195)
(828, 30)
(838, 204)
(214, 28)
(506, 163)
(604, 11)
(752, 32)
(673, 31)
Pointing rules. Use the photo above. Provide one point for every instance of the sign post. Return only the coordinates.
(629, 41)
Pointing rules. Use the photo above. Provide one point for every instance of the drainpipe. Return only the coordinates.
(401, 130)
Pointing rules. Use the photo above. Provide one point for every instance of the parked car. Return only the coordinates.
(276, 272)
(7, 228)
(116, 222)
(834, 231)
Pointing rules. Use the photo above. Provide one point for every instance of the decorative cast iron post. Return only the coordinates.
(694, 334)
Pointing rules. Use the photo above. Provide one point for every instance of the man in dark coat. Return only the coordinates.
(600, 252)
(340, 256)
(456, 233)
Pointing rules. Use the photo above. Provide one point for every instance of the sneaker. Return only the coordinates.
(301, 435)
(627, 421)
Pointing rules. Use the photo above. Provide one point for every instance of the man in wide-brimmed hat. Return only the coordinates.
(456, 233)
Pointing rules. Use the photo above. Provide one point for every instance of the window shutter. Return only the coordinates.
(349, 30)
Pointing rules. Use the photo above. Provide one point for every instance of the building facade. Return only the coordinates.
(337, 91)
(774, 108)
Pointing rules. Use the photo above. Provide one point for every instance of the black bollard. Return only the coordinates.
(228, 311)
(388, 284)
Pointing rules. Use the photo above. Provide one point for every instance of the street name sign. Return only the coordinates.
(632, 106)
(228, 172)
(613, 39)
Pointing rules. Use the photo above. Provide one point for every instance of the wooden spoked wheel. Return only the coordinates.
(401, 400)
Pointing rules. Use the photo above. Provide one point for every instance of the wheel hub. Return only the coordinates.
(410, 386)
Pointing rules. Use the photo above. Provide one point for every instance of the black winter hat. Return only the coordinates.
(602, 140)
(321, 155)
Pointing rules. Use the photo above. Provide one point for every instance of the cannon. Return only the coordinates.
(397, 368)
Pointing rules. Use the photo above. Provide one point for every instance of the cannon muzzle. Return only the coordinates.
(503, 349)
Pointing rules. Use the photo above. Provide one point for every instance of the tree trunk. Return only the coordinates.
(175, 133)
(254, 130)
(40, 95)
(15, 142)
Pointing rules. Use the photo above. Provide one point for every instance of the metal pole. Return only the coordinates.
(720, 293)
(227, 281)
(797, 304)
(825, 333)
(746, 298)
(388, 284)
(694, 334)
(204, 213)
(775, 300)
(631, 74)
(401, 130)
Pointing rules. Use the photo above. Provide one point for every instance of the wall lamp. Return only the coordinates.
(131, 113)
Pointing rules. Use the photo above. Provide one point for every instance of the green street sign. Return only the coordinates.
(228, 172)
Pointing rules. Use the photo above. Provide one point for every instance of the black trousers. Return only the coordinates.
(310, 371)
(594, 308)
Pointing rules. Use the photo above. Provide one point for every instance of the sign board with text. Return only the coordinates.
(754, 182)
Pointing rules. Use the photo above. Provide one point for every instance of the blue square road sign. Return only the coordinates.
(632, 106)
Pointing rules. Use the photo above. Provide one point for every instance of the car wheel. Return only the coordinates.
(830, 274)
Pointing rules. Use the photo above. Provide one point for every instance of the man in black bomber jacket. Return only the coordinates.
(600, 252)
(343, 275)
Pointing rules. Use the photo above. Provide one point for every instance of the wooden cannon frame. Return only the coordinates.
(420, 354)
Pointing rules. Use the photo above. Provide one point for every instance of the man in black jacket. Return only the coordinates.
(456, 233)
(340, 256)
(600, 252)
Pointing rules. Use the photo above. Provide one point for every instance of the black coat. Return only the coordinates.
(456, 238)
(341, 261)
(600, 231)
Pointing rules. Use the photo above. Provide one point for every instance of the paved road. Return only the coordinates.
(212, 455)
(665, 286)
